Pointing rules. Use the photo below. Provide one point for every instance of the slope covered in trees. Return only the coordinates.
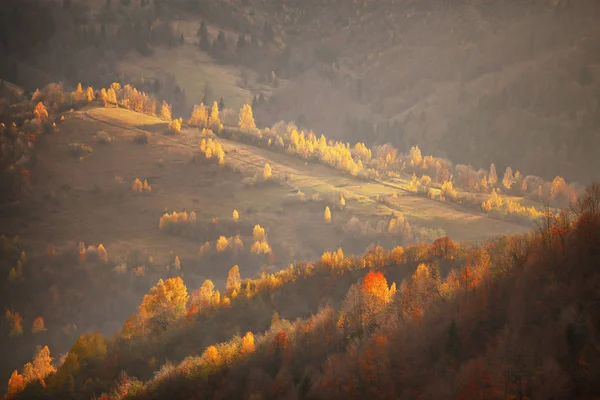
(518, 318)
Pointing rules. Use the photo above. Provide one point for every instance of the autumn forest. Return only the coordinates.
(265, 199)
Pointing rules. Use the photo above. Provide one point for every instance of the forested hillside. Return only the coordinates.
(513, 318)
(267, 199)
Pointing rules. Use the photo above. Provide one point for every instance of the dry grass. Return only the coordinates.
(107, 212)
(192, 69)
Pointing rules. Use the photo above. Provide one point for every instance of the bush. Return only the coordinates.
(142, 138)
(103, 137)
(80, 150)
(175, 126)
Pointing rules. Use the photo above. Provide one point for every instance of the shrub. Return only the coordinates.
(103, 137)
(212, 149)
(175, 126)
(448, 191)
(142, 138)
(80, 150)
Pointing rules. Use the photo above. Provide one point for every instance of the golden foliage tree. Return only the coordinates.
(16, 384)
(214, 121)
(165, 112)
(556, 187)
(260, 247)
(202, 298)
(246, 118)
(425, 180)
(258, 233)
(247, 346)
(235, 215)
(40, 112)
(87, 348)
(267, 171)
(508, 180)
(327, 215)
(212, 148)
(492, 176)
(374, 295)
(413, 185)
(416, 159)
(16, 323)
(175, 125)
(165, 303)
(137, 186)
(237, 243)
(111, 96)
(38, 325)
(102, 254)
(199, 116)
(222, 244)
(448, 191)
(234, 280)
(89, 94)
(78, 95)
(42, 365)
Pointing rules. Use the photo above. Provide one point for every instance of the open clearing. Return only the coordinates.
(192, 70)
(312, 178)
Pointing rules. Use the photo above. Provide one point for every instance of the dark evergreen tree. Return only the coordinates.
(221, 42)
(203, 37)
(453, 344)
(241, 42)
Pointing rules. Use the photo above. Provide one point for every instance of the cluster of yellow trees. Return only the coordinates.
(138, 187)
(399, 226)
(168, 220)
(224, 243)
(260, 245)
(35, 371)
(175, 125)
(509, 207)
(81, 96)
(130, 98)
(202, 119)
(211, 148)
(17, 272)
(337, 155)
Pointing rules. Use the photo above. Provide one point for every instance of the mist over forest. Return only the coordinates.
(299, 199)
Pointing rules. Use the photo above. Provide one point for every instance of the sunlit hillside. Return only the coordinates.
(260, 199)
